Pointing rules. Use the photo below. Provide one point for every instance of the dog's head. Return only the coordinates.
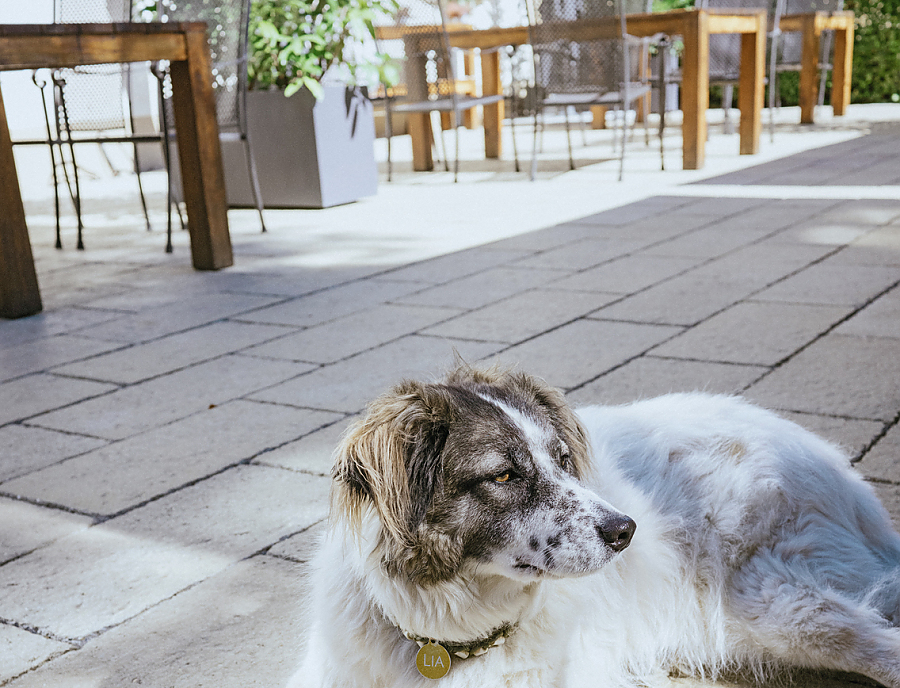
(483, 467)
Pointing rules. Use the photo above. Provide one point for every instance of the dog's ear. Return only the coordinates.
(391, 459)
(563, 418)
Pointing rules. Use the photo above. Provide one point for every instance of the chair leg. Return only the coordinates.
(254, 179)
(569, 139)
(727, 103)
(76, 196)
(456, 116)
(534, 148)
(512, 131)
(388, 132)
(137, 172)
(52, 145)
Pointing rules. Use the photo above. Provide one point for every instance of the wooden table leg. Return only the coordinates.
(695, 89)
(809, 68)
(843, 69)
(418, 124)
(751, 89)
(493, 114)
(201, 156)
(19, 292)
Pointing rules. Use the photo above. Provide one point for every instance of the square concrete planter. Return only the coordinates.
(309, 153)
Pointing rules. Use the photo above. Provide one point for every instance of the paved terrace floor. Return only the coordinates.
(165, 434)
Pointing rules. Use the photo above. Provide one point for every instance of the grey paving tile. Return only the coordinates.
(838, 375)
(25, 449)
(185, 313)
(648, 377)
(881, 318)
(870, 212)
(884, 241)
(60, 321)
(34, 394)
(164, 355)
(583, 350)
(323, 306)
(301, 547)
(22, 650)
(626, 275)
(124, 474)
(48, 352)
(101, 576)
(164, 399)
(890, 498)
(482, 288)
(825, 283)
(348, 385)
(710, 242)
(853, 436)
(351, 334)
(697, 294)
(455, 265)
(868, 253)
(580, 255)
(521, 316)
(633, 212)
(753, 332)
(271, 281)
(313, 453)
(253, 624)
(25, 527)
(883, 460)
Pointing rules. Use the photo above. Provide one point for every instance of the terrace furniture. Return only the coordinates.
(228, 23)
(694, 25)
(430, 77)
(184, 44)
(573, 73)
(91, 104)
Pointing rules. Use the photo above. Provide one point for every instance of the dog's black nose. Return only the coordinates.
(617, 532)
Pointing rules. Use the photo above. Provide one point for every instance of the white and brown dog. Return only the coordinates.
(605, 547)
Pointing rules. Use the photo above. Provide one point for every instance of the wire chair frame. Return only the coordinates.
(91, 104)
(787, 47)
(228, 23)
(430, 73)
(571, 73)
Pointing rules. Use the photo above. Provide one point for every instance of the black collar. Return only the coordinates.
(474, 648)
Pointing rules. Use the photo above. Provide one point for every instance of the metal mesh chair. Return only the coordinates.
(787, 47)
(429, 69)
(228, 22)
(725, 53)
(91, 104)
(572, 74)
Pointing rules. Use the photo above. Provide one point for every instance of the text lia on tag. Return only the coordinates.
(433, 661)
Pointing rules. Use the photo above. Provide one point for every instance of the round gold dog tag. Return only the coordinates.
(433, 661)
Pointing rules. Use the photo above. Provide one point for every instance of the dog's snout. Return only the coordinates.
(617, 532)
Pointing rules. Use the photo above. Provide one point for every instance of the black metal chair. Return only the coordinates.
(579, 74)
(430, 73)
(228, 22)
(90, 104)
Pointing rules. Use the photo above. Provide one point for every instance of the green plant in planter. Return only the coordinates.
(294, 43)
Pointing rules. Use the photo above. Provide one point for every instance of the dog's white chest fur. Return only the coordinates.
(756, 546)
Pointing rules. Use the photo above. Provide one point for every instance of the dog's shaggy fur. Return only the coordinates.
(485, 503)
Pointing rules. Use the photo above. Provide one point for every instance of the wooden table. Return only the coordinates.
(693, 25)
(32, 46)
(811, 25)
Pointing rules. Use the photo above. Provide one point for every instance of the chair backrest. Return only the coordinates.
(563, 65)
(96, 96)
(790, 45)
(228, 22)
(425, 50)
(725, 49)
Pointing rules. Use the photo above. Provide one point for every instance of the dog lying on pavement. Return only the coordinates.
(483, 531)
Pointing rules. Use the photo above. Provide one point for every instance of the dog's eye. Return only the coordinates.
(565, 461)
(502, 478)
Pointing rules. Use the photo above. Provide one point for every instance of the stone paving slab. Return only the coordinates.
(26, 527)
(25, 449)
(837, 375)
(159, 401)
(29, 396)
(148, 465)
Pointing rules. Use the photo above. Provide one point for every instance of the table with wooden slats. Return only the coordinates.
(184, 44)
